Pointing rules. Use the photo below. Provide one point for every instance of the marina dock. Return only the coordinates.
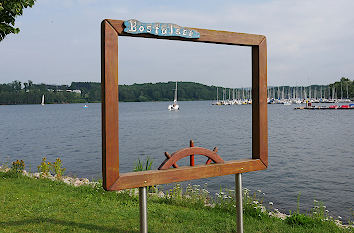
(332, 107)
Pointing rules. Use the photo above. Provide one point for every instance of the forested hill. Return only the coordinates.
(165, 91)
(150, 91)
(80, 92)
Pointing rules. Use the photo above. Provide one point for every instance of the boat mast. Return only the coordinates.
(175, 100)
(310, 92)
(278, 97)
(268, 92)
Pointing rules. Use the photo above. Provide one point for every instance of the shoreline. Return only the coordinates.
(157, 101)
(76, 182)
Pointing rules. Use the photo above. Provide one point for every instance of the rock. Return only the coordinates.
(66, 180)
(77, 182)
(85, 180)
(278, 215)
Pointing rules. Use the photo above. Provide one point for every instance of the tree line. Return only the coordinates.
(30, 93)
(81, 92)
(343, 88)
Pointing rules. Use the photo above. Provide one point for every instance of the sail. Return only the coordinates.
(175, 100)
(174, 106)
(42, 100)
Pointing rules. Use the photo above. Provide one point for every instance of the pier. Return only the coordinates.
(331, 107)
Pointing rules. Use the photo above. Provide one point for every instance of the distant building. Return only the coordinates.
(75, 91)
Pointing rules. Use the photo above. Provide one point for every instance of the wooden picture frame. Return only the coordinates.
(112, 179)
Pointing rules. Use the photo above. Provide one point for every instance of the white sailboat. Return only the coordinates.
(287, 102)
(42, 100)
(174, 106)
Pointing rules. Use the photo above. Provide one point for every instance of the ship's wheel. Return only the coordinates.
(171, 160)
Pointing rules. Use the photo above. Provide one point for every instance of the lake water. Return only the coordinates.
(311, 152)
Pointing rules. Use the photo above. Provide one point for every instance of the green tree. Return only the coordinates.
(342, 88)
(9, 10)
(16, 85)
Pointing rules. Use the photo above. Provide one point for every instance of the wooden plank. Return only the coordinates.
(109, 84)
(210, 160)
(259, 103)
(154, 177)
(191, 158)
(206, 36)
(263, 108)
(168, 156)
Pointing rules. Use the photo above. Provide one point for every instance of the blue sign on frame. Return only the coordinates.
(134, 26)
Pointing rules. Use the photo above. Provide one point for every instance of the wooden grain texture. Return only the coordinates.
(154, 177)
(168, 156)
(259, 103)
(110, 121)
(191, 158)
(210, 160)
(206, 36)
(182, 153)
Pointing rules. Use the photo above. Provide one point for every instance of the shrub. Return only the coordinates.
(301, 219)
(44, 167)
(57, 169)
(18, 166)
(140, 166)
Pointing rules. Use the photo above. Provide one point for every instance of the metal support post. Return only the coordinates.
(239, 207)
(143, 210)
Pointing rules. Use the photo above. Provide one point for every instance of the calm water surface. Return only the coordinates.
(309, 151)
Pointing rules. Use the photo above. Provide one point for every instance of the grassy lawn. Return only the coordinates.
(41, 205)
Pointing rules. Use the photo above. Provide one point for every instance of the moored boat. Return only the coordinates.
(174, 106)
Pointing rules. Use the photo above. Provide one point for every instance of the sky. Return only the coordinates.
(309, 42)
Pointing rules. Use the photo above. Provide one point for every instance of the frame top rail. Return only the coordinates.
(206, 35)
